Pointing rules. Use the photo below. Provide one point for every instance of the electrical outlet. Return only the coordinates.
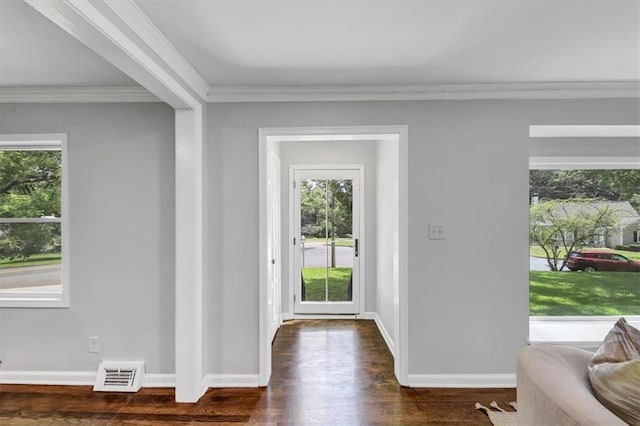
(94, 344)
(437, 232)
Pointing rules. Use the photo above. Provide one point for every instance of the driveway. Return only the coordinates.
(317, 255)
(540, 264)
(30, 276)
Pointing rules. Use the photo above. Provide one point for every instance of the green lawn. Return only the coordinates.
(536, 251)
(35, 260)
(314, 279)
(583, 293)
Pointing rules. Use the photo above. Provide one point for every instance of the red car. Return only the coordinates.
(590, 260)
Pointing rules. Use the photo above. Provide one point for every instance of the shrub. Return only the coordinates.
(629, 247)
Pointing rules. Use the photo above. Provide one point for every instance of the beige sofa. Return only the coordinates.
(554, 388)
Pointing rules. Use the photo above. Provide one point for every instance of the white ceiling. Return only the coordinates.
(403, 42)
(36, 52)
(335, 43)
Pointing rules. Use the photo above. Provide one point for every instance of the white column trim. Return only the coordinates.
(134, 45)
(144, 28)
(189, 243)
(230, 381)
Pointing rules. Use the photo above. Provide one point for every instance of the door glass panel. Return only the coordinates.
(326, 215)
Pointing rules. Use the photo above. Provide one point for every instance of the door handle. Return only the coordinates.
(357, 247)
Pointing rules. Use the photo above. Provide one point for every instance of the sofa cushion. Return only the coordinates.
(614, 371)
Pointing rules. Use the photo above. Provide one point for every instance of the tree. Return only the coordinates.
(613, 185)
(327, 210)
(30, 187)
(327, 199)
(563, 226)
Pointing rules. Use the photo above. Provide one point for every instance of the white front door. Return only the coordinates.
(327, 241)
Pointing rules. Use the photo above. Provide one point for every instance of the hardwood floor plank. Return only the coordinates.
(336, 372)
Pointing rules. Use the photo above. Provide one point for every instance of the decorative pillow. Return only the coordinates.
(614, 371)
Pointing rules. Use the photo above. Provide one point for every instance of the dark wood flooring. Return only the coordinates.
(329, 372)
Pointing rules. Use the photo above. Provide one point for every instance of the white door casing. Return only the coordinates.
(399, 136)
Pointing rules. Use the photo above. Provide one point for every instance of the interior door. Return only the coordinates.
(273, 194)
(327, 241)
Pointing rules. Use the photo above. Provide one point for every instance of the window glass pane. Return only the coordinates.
(579, 219)
(326, 214)
(30, 257)
(30, 183)
(30, 221)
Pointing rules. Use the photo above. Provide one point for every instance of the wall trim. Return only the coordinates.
(76, 378)
(159, 381)
(222, 94)
(231, 381)
(560, 90)
(383, 330)
(542, 163)
(287, 316)
(462, 380)
(75, 94)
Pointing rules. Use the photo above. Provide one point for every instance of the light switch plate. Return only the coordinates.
(437, 232)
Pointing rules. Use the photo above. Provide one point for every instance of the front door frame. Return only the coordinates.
(268, 139)
(293, 260)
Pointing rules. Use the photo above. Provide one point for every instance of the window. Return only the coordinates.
(585, 201)
(33, 245)
(590, 211)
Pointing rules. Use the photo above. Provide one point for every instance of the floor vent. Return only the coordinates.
(119, 376)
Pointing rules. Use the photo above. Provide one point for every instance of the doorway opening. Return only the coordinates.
(333, 235)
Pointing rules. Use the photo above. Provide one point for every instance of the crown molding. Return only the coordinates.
(568, 90)
(75, 94)
(221, 94)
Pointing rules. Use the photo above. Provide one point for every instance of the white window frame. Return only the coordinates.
(580, 331)
(47, 141)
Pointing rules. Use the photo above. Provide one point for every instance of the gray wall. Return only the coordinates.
(468, 169)
(121, 170)
(387, 241)
(323, 153)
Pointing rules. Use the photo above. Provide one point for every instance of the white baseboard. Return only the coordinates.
(383, 330)
(462, 380)
(231, 381)
(76, 378)
(159, 381)
(324, 316)
(287, 316)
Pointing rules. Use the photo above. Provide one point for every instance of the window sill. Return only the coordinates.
(581, 332)
(33, 303)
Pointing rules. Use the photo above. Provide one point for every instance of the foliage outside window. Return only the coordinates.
(31, 221)
(576, 210)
